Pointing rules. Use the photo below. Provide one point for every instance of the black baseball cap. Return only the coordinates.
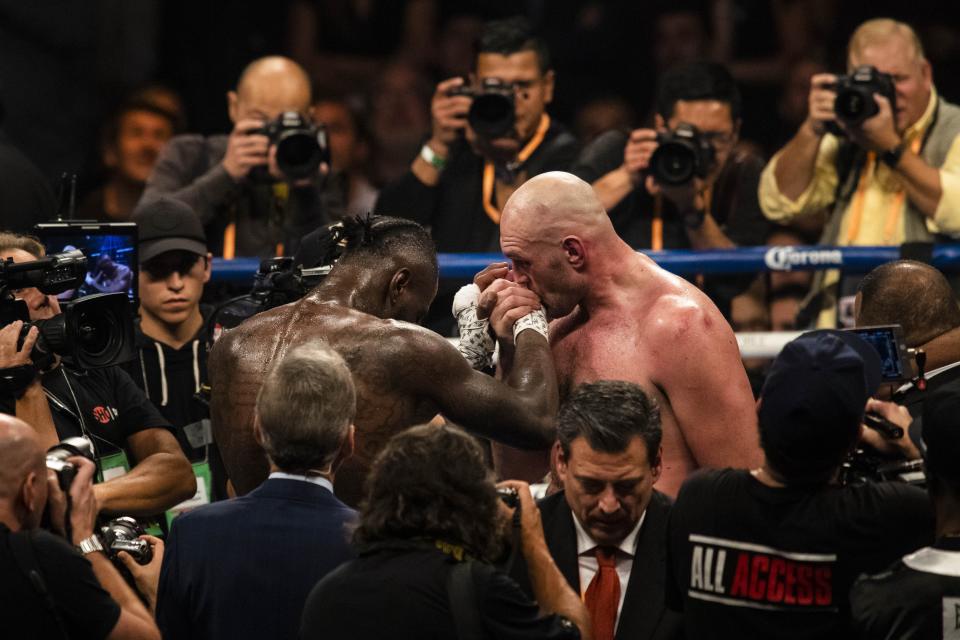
(168, 224)
(814, 398)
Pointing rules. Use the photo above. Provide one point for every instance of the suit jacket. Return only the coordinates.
(242, 568)
(644, 613)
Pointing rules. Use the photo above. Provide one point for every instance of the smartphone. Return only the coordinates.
(888, 341)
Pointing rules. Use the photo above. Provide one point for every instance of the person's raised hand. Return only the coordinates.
(246, 149)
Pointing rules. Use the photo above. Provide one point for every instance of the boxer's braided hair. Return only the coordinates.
(381, 237)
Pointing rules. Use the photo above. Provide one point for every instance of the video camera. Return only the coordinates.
(855, 102)
(681, 155)
(92, 332)
(493, 110)
(301, 144)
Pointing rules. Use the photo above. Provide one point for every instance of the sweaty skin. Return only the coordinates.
(617, 316)
(404, 374)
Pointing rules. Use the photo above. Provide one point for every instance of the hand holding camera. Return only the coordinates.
(448, 111)
(246, 149)
(861, 105)
(13, 351)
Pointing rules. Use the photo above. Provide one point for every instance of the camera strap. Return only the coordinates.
(489, 170)
(859, 199)
(21, 546)
(464, 607)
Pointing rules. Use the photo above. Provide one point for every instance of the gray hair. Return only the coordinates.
(306, 406)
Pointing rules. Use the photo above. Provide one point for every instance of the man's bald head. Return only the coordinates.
(552, 205)
(269, 86)
(20, 453)
(911, 294)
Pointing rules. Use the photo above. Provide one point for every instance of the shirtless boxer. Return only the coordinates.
(617, 316)
(404, 374)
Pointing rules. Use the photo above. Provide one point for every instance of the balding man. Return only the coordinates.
(48, 589)
(617, 316)
(248, 207)
(894, 177)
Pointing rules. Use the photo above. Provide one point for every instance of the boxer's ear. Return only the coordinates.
(576, 252)
(398, 283)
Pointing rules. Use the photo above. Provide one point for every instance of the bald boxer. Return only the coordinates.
(617, 316)
(404, 374)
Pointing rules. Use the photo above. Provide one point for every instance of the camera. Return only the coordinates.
(509, 496)
(681, 155)
(57, 459)
(301, 145)
(854, 102)
(92, 332)
(493, 110)
(123, 534)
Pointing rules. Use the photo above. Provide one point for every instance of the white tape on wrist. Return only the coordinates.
(535, 320)
(476, 344)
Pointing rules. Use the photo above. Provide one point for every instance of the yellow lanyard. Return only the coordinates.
(656, 224)
(281, 192)
(859, 198)
(488, 173)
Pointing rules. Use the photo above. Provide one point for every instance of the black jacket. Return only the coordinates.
(644, 614)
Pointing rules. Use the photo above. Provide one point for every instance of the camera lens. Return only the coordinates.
(492, 115)
(298, 155)
(96, 334)
(673, 163)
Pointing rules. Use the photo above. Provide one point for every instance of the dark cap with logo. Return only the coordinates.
(814, 398)
(168, 224)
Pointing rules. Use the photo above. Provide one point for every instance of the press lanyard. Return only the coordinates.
(656, 224)
(859, 199)
(489, 175)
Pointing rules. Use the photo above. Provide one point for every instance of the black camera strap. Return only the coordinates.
(21, 545)
(464, 607)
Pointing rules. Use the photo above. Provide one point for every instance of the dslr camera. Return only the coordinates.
(493, 110)
(681, 155)
(123, 534)
(92, 332)
(301, 144)
(854, 102)
(57, 459)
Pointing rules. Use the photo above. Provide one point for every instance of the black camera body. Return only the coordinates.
(855, 102)
(681, 155)
(57, 459)
(92, 332)
(493, 110)
(123, 534)
(301, 144)
(509, 496)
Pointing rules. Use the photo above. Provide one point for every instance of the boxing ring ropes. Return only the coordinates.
(688, 262)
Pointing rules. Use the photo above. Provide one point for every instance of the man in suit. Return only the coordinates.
(242, 568)
(606, 529)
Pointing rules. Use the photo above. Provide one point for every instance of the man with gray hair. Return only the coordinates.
(242, 568)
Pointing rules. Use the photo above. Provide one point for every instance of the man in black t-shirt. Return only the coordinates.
(918, 597)
(426, 533)
(143, 468)
(772, 552)
(460, 181)
(718, 211)
(48, 589)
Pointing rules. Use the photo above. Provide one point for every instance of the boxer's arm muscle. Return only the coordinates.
(519, 411)
(233, 394)
(706, 384)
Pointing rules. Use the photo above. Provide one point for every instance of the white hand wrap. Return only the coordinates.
(476, 344)
(535, 320)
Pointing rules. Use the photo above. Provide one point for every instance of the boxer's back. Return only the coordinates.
(243, 356)
(666, 336)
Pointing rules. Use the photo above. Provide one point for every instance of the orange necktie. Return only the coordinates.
(603, 594)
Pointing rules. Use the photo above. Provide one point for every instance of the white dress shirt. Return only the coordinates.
(588, 560)
(317, 480)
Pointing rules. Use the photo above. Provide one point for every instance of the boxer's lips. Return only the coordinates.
(175, 303)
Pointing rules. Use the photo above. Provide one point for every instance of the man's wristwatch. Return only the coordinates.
(89, 545)
(891, 157)
(432, 158)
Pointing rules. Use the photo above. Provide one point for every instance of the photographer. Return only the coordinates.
(463, 176)
(715, 207)
(249, 206)
(427, 532)
(773, 552)
(144, 468)
(47, 588)
(887, 171)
